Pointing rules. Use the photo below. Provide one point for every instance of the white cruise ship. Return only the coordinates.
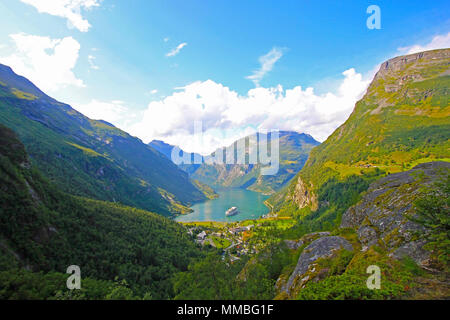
(231, 212)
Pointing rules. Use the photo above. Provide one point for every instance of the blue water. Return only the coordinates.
(250, 205)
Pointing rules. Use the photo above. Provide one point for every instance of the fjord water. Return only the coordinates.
(250, 205)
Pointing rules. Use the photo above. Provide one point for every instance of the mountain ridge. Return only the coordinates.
(294, 149)
(90, 157)
(44, 230)
(402, 120)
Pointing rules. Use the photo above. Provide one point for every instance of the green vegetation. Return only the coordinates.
(221, 243)
(207, 190)
(92, 158)
(393, 128)
(347, 279)
(433, 212)
(211, 278)
(335, 197)
(294, 149)
(20, 284)
(23, 95)
(46, 230)
(54, 210)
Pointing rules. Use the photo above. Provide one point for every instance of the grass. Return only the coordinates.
(206, 224)
(220, 243)
(392, 131)
(23, 95)
(85, 150)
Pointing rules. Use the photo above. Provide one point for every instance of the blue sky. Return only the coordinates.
(116, 65)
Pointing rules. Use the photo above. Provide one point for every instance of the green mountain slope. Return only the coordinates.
(403, 120)
(43, 229)
(91, 158)
(294, 149)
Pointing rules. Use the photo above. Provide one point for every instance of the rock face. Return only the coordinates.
(308, 238)
(404, 112)
(294, 150)
(293, 245)
(380, 217)
(321, 248)
(303, 197)
(413, 61)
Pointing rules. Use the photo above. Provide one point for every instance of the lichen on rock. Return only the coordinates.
(321, 248)
(382, 215)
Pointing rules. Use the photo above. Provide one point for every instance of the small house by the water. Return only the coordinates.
(201, 235)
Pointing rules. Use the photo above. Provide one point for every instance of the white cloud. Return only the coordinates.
(69, 9)
(154, 91)
(177, 50)
(114, 111)
(438, 42)
(47, 62)
(92, 65)
(267, 62)
(222, 110)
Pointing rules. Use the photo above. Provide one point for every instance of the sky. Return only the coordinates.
(158, 68)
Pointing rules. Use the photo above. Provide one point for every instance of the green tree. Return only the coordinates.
(433, 212)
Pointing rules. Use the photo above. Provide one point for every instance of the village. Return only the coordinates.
(231, 238)
(235, 239)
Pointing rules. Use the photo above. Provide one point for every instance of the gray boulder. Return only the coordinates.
(293, 245)
(381, 215)
(323, 247)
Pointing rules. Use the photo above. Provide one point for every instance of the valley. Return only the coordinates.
(249, 203)
(376, 192)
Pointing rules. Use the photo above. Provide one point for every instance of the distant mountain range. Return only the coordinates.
(338, 207)
(91, 158)
(294, 149)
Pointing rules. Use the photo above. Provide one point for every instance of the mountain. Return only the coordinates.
(166, 149)
(385, 228)
(44, 230)
(372, 199)
(91, 158)
(403, 120)
(162, 147)
(294, 149)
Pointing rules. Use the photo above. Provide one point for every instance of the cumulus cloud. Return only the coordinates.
(226, 116)
(267, 62)
(177, 50)
(438, 42)
(47, 62)
(68, 9)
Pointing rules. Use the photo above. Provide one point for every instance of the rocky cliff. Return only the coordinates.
(402, 120)
(381, 217)
(324, 247)
(378, 230)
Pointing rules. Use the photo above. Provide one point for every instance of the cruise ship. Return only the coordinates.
(231, 212)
